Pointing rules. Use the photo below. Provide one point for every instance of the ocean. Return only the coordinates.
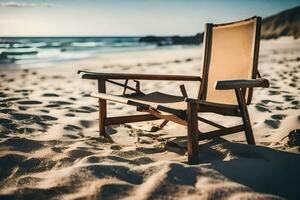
(38, 51)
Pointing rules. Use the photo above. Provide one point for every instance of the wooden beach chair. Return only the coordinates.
(230, 60)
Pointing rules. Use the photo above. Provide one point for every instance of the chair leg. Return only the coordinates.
(245, 116)
(102, 108)
(161, 126)
(192, 133)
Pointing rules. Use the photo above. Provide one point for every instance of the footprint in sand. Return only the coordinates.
(33, 165)
(23, 107)
(57, 149)
(7, 110)
(85, 94)
(115, 147)
(23, 90)
(296, 102)
(84, 109)
(272, 123)
(278, 116)
(86, 123)
(57, 77)
(10, 99)
(5, 121)
(7, 126)
(73, 137)
(288, 98)
(48, 118)
(266, 101)
(142, 161)
(61, 102)
(95, 159)
(29, 102)
(54, 104)
(25, 94)
(274, 92)
(50, 95)
(2, 94)
(28, 119)
(78, 153)
(22, 144)
(8, 164)
(261, 107)
(70, 127)
(23, 116)
(11, 80)
(278, 108)
(151, 150)
(114, 190)
(25, 130)
(70, 115)
(44, 111)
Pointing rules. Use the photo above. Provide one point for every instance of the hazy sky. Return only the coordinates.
(126, 17)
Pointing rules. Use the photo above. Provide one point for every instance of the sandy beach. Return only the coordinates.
(50, 146)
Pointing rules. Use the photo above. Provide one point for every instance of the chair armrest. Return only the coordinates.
(235, 84)
(106, 76)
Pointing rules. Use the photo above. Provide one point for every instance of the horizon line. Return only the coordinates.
(70, 36)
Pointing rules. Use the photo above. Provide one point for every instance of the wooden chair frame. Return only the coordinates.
(188, 117)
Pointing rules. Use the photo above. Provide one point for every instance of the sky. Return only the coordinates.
(126, 17)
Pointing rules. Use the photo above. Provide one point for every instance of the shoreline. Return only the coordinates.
(95, 56)
(98, 55)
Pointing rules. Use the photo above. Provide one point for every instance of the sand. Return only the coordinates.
(50, 146)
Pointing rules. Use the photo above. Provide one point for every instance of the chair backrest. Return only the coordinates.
(230, 52)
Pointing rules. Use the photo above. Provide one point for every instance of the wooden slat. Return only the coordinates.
(167, 77)
(192, 126)
(233, 84)
(102, 108)
(130, 118)
(110, 97)
(145, 107)
(220, 132)
(125, 86)
(171, 117)
(183, 91)
(245, 117)
(236, 22)
(223, 109)
(207, 43)
(255, 55)
(210, 123)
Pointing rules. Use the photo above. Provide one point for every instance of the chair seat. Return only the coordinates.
(168, 103)
(156, 99)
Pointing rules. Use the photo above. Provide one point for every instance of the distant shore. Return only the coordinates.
(35, 51)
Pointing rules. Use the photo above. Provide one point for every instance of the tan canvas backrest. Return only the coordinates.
(230, 54)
